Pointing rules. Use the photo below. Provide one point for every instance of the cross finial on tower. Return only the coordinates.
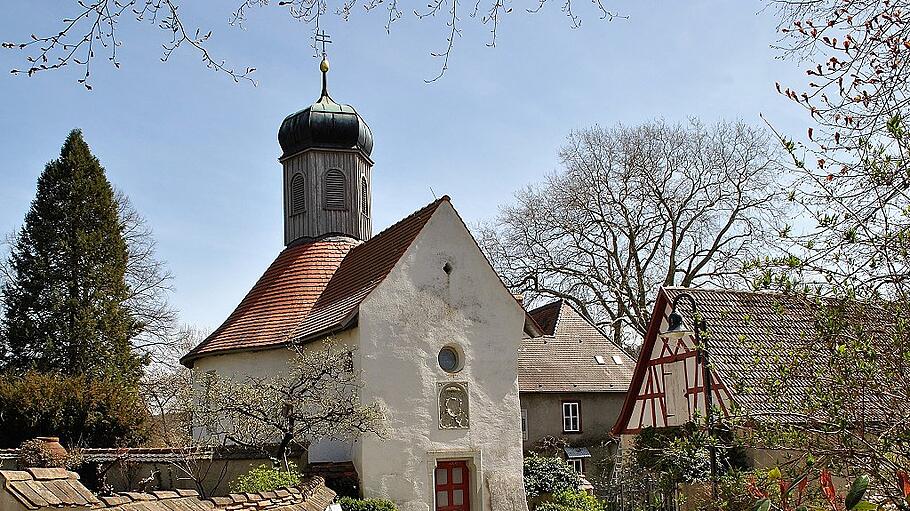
(322, 37)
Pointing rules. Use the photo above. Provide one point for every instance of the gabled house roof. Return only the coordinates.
(744, 329)
(571, 356)
(315, 289)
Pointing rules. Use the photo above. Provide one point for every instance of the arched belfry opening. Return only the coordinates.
(327, 170)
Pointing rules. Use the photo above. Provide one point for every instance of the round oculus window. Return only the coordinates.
(449, 360)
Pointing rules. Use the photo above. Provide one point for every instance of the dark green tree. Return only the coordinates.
(63, 305)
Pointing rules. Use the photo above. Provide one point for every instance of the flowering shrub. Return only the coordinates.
(815, 489)
(266, 478)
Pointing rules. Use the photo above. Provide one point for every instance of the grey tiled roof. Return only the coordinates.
(563, 360)
(47, 488)
(56, 488)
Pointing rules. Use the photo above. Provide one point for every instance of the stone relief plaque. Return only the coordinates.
(453, 405)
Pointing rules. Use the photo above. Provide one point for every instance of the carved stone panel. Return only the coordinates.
(453, 405)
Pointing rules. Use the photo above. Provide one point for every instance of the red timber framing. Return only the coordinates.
(659, 394)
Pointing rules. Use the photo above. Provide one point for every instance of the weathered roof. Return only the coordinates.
(744, 329)
(37, 488)
(280, 299)
(52, 488)
(364, 267)
(563, 359)
(313, 289)
(161, 500)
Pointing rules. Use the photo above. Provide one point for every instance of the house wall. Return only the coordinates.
(417, 310)
(599, 411)
(241, 365)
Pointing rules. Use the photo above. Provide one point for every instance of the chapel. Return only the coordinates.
(435, 333)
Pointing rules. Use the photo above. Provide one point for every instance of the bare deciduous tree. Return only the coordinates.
(149, 281)
(317, 398)
(92, 27)
(636, 208)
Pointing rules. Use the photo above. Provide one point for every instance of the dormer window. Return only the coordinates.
(298, 194)
(335, 190)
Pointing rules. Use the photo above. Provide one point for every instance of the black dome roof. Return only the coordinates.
(325, 124)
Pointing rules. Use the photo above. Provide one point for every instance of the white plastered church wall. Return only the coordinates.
(417, 310)
(242, 365)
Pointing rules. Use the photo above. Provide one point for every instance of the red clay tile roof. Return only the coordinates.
(313, 289)
(279, 300)
(563, 360)
(360, 272)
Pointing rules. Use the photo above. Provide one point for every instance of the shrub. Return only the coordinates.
(572, 500)
(545, 475)
(266, 478)
(37, 453)
(349, 504)
(683, 452)
(78, 409)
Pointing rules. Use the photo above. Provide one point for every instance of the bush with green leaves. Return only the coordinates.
(683, 451)
(349, 504)
(544, 475)
(93, 412)
(572, 500)
(266, 478)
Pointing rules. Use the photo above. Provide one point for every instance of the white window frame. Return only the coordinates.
(524, 424)
(577, 464)
(571, 417)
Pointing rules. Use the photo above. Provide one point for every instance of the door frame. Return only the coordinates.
(475, 466)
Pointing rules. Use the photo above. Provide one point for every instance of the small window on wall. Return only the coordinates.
(524, 425)
(571, 417)
(577, 464)
(364, 196)
(298, 194)
(335, 190)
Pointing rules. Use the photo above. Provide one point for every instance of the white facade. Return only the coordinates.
(416, 311)
(442, 292)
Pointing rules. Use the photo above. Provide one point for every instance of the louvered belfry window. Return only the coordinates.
(364, 197)
(335, 190)
(298, 194)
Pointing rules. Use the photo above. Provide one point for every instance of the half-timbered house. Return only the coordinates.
(667, 387)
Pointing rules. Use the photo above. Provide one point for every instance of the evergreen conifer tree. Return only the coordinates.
(63, 305)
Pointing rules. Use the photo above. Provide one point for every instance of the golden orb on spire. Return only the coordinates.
(324, 65)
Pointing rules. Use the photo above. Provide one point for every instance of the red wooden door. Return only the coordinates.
(452, 486)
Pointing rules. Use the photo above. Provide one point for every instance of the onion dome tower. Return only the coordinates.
(326, 158)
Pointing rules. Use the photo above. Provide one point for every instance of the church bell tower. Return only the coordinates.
(326, 160)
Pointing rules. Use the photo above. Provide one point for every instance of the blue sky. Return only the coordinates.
(197, 153)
